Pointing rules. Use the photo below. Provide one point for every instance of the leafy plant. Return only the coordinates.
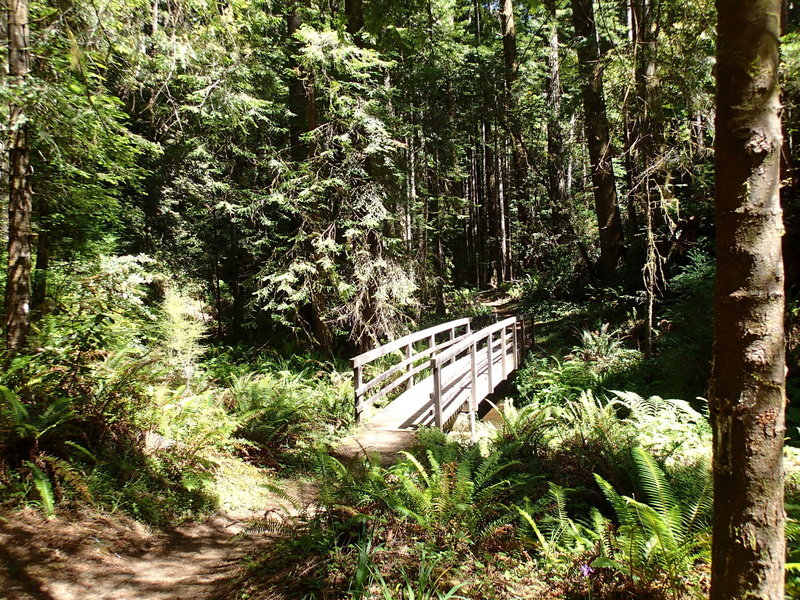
(424, 585)
(29, 435)
(556, 534)
(458, 501)
(660, 542)
(599, 345)
(421, 583)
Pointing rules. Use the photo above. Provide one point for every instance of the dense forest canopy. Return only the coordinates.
(334, 170)
(212, 204)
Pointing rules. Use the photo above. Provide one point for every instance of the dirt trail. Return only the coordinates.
(95, 557)
(91, 556)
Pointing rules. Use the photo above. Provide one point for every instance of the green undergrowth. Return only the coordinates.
(121, 404)
(592, 498)
(597, 344)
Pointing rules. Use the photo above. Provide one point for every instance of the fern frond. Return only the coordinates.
(543, 542)
(417, 465)
(656, 525)
(696, 513)
(44, 487)
(272, 526)
(617, 502)
(70, 475)
(280, 493)
(654, 483)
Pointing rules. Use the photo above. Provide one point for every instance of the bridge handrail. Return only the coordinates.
(512, 327)
(473, 338)
(411, 338)
(360, 388)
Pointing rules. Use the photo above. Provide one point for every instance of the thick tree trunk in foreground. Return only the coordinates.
(747, 386)
(18, 284)
(597, 138)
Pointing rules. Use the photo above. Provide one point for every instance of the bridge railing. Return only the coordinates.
(505, 341)
(418, 347)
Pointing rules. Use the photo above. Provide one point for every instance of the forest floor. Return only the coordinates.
(92, 555)
(88, 555)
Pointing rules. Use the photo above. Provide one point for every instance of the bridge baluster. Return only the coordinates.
(473, 405)
(515, 329)
(437, 393)
(358, 380)
(503, 349)
(489, 344)
(410, 367)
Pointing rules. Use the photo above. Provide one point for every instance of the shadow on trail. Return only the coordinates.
(103, 559)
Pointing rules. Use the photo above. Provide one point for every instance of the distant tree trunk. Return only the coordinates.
(557, 161)
(597, 138)
(649, 177)
(18, 284)
(556, 167)
(516, 192)
(354, 10)
(302, 103)
(748, 384)
(40, 274)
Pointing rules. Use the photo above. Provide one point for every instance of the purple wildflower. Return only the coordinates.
(586, 570)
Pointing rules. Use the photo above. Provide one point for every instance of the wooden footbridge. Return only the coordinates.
(433, 375)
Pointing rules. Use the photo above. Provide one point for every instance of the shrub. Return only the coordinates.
(285, 409)
(660, 542)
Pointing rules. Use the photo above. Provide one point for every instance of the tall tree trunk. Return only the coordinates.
(516, 192)
(4, 139)
(302, 103)
(597, 138)
(18, 284)
(748, 379)
(354, 10)
(556, 167)
(648, 177)
(557, 160)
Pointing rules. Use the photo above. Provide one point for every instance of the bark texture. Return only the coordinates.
(609, 220)
(747, 386)
(18, 284)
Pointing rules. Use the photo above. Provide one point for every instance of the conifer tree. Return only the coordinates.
(748, 378)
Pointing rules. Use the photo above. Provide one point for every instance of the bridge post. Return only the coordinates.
(358, 380)
(410, 367)
(503, 349)
(489, 357)
(473, 404)
(437, 392)
(516, 345)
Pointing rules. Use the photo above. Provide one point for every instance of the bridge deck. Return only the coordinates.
(437, 399)
(414, 407)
